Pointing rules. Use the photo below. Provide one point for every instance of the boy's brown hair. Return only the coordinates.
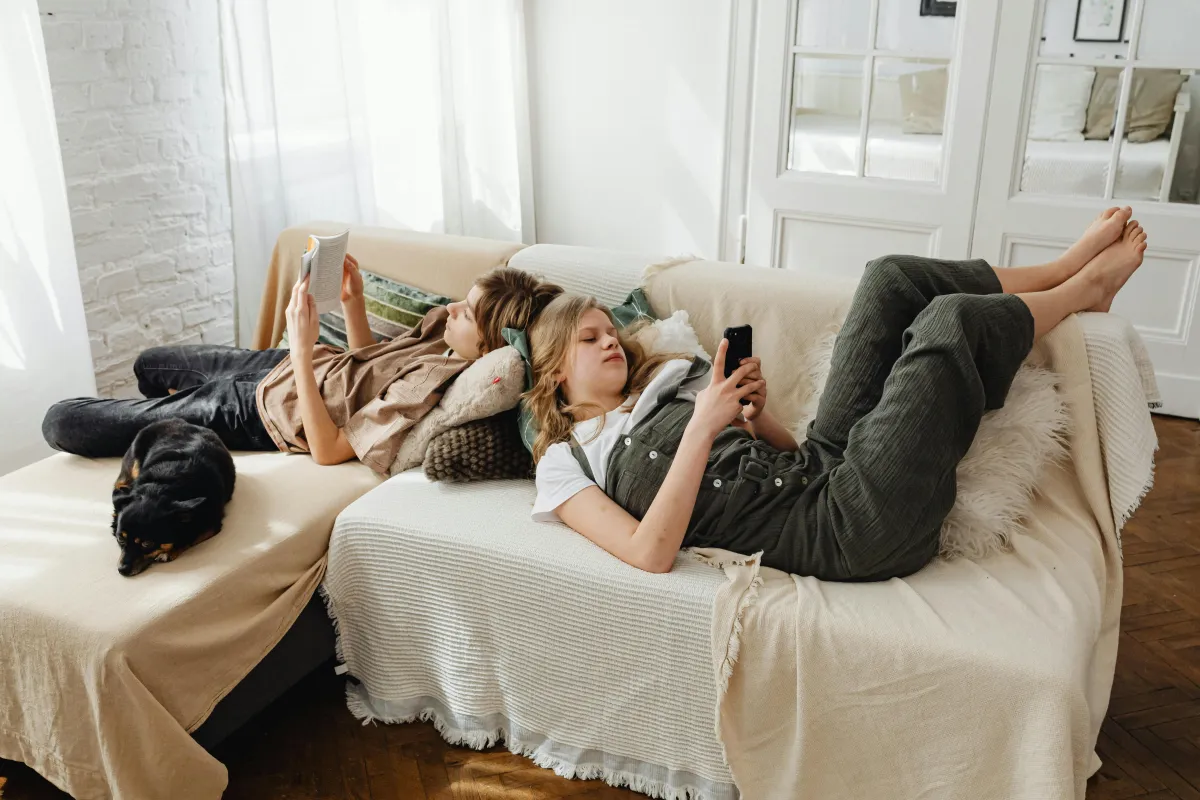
(511, 298)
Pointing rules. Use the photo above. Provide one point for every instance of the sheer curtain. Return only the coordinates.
(44, 351)
(402, 113)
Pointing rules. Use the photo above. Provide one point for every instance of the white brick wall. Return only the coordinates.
(138, 98)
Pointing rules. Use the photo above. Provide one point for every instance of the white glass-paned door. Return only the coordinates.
(1070, 74)
(868, 123)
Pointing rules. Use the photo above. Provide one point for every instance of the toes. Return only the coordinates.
(1108, 212)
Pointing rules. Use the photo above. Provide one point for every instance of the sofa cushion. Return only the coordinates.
(491, 384)
(484, 450)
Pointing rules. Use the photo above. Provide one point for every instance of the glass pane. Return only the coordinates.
(923, 27)
(1150, 162)
(1086, 29)
(833, 24)
(908, 109)
(1058, 158)
(826, 114)
(1171, 32)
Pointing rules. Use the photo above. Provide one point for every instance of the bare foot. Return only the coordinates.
(1109, 271)
(1104, 230)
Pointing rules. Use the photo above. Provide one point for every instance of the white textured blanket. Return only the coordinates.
(1123, 387)
(453, 605)
(985, 679)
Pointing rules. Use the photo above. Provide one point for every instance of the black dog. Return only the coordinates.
(175, 481)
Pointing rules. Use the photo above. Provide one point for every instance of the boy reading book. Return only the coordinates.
(335, 404)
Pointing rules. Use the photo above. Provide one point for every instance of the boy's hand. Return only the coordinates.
(352, 282)
(757, 398)
(302, 321)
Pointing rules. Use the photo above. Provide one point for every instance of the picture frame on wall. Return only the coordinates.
(938, 8)
(1100, 20)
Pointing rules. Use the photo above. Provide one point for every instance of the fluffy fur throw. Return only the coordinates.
(997, 477)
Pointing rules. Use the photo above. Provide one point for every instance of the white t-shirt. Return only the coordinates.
(559, 476)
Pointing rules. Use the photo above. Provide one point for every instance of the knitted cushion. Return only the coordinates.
(486, 449)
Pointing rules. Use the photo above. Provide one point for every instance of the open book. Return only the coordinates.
(323, 261)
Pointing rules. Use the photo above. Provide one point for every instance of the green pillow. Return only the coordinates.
(636, 307)
(392, 309)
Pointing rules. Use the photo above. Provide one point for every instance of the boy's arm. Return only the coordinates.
(326, 442)
(354, 306)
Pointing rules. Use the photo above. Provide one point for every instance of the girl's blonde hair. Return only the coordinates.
(552, 342)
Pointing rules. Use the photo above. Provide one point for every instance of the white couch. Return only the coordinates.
(968, 679)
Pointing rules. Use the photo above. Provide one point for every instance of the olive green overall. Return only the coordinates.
(927, 347)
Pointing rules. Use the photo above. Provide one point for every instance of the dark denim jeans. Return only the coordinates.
(214, 387)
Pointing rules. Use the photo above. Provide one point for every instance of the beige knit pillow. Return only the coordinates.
(488, 386)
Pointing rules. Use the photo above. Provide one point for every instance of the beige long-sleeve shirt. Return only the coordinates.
(374, 394)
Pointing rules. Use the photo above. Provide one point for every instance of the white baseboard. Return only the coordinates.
(1181, 395)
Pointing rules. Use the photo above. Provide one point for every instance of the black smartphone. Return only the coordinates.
(740, 346)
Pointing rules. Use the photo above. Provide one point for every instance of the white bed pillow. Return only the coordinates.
(1060, 103)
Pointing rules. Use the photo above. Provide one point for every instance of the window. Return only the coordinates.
(1108, 65)
(882, 56)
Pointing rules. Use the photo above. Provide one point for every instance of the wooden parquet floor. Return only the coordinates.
(306, 746)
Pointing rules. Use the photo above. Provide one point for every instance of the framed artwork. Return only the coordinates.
(938, 8)
(1100, 20)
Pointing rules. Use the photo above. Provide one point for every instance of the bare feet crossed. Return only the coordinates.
(1104, 230)
(1109, 271)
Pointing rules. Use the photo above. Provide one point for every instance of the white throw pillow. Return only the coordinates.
(1060, 102)
(671, 335)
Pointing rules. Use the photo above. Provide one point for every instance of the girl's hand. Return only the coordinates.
(352, 282)
(302, 321)
(757, 398)
(718, 404)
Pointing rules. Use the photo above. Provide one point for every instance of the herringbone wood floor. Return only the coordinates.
(308, 746)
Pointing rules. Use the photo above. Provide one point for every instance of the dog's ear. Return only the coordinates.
(184, 508)
(122, 497)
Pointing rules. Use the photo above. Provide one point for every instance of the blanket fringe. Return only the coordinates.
(1137, 502)
(483, 739)
(338, 651)
(735, 641)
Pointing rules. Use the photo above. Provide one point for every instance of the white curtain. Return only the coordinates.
(401, 113)
(44, 351)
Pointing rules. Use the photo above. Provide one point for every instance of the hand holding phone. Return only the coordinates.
(741, 342)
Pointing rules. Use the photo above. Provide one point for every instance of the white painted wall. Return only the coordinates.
(43, 337)
(627, 108)
(141, 117)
